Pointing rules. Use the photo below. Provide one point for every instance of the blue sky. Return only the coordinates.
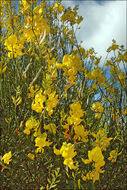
(103, 21)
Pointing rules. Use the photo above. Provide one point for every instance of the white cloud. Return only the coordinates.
(102, 23)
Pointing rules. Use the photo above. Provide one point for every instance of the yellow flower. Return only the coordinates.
(65, 30)
(111, 100)
(26, 4)
(94, 86)
(11, 42)
(69, 162)
(37, 104)
(14, 45)
(113, 155)
(51, 127)
(58, 7)
(30, 124)
(79, 183)
(95, 155)
(41, 142)
(26, 131)
(125, 57)
(31, 93)
(104, 143)
(7, 157)
(113, 47)
(96, 75)
(97, 107)
(97, 60)
(75, 114)
(81, 133)
(91, 175)
(76, 109)
(31, 156)
(67, 151)
(56, 151)
(79, 19)
(101, 139)
(71, 65)
(51, 103)
(108, 63)
(37, 131)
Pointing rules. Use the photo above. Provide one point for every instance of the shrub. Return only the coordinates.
(63, 110)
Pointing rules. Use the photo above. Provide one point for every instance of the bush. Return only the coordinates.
(62, 110)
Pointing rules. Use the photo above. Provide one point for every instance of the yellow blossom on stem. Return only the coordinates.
(41, 142)
(7, 157)
(80, 133)
(30, 124)
(69, 162)
(113, 155)
(37, 104)
(76, 113)
(101, 139)
(96, 156)
(91, 175)
(51, 103)
(14, 46)
(32, 91)
(71, 65)
(58, 7)
(56, 151)
(97, 107)
(31, 156)
(67, 152)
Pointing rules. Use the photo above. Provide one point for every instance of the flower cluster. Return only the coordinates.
(101, 139)
(37, 104)
(14, 46)
(67, 152)
(96, 156)
(40, 142)
(96, 75)
(97, 108)
(73, 121)
(71, 16)
(71, 65)
(51, 102)
(30, 124)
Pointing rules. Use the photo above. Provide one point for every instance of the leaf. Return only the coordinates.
(41, 188)
(52, 186)
(49, 180)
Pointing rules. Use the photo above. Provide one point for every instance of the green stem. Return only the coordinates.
(0, 88)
